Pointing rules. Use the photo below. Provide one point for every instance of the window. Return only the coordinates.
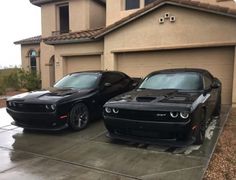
(207, 81)
(79, 81)
(132, 4)
(112, 78)
(180, 81)
(149, 1)
(32, 58)
(64, 18)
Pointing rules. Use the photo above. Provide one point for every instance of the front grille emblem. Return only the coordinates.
(160, 115)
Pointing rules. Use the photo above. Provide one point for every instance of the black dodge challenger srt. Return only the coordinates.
(171, 106)
(73, 101)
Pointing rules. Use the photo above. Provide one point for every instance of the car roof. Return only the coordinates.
(177, 70)
(96, 71)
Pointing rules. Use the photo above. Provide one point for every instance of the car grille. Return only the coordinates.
(23, 107)
(156, 116)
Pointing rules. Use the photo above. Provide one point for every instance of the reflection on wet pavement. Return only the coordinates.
(89, 154)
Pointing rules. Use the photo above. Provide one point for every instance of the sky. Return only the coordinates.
(19, 20)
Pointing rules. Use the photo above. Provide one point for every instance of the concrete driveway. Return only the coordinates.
(90, 155)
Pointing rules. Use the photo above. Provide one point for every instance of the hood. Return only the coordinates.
(155, 99)
(52, 95)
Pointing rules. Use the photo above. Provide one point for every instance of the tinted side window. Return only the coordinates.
(112, 78)
(207, 81)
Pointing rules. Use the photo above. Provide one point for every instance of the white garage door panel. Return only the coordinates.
(82, 63)
(219, 61)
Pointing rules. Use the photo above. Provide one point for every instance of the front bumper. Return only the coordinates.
(150, 132)
(38, 121)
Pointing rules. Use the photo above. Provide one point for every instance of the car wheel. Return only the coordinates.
(201, 130)
(218, 107)
(79, 117)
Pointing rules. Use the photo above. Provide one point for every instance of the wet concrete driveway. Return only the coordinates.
(89, 155)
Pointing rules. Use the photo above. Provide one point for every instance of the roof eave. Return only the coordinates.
(26, 43)
(70, 41)
(41, 2)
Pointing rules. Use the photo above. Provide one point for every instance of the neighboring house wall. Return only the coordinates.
(192, 29)
(25, 59)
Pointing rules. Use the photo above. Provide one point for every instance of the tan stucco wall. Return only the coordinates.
(97, 15)
(64, 51)
(25, 61)
(83, 14)
(48, 19)
(191, 29)
(46, 53)
(115, 11)
(234, 80)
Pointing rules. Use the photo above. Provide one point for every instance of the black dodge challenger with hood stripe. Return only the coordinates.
(172, 106)
(73, 101)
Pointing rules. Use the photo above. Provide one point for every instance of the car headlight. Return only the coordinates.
(50, 107)
(108, 110)
(174, 114)
(184, 115)
(53, 107)
(115, 110)
(47, 107)
(9, 103)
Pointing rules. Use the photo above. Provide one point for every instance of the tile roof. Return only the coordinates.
(31, 40)
(73, 37)
(41, 2)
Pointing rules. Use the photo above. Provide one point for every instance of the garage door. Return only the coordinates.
(219, 61)
(82, 63)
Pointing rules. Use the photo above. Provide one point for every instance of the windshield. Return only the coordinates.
(78, 81)
(180, 81)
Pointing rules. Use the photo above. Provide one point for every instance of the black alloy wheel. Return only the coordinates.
(79, 117)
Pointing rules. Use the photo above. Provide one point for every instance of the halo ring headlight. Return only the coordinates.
(108, 110)
(115, 110)
(53, 107)
(184, 115)
(174, 114)
(47, 107)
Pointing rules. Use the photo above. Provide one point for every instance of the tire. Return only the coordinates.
(217, 109)
(79, 117)
(201, 130)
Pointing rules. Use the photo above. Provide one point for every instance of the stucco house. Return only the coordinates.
(136, 37)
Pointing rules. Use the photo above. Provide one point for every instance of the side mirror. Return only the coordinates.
(135, 84)
(107, 85)
(215, 85)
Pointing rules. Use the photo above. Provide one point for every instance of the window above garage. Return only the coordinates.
(63, 18)
(132, 4)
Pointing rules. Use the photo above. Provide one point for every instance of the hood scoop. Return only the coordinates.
(145, 99)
